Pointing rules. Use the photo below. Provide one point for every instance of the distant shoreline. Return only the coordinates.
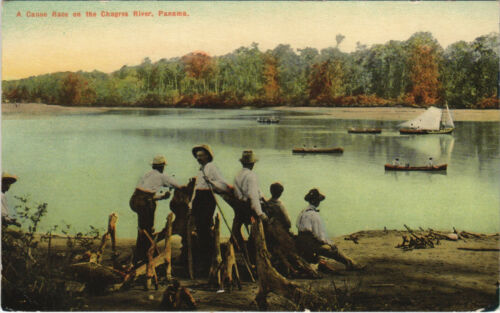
(361, 113)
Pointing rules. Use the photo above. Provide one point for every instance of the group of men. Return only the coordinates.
(312, 240)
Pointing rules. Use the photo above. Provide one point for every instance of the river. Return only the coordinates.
(86, 166)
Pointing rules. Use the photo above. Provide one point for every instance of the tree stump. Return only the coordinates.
(230, 268)
(214, 274)
(284, 254)
(177, 298)
(183, 223)
(272, 281)
(110, 234)
(168, 247)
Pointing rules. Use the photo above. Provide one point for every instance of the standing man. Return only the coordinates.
(143, 202)
(208, 180)
(7, 180)
(246, 189)
(312, 240)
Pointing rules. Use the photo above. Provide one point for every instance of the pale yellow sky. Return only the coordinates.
(33, 46)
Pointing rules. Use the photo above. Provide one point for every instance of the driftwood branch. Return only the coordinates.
(479, 249)
(168, 246)
(214, 275)
(110, 234)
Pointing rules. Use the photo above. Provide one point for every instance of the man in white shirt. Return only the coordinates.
(312, 240)
(246, 190)
(208, 180)
(395, 162)
(7, 180)
(143, 202)
(430, 162)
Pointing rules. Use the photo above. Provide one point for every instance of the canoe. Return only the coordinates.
(409, 131)
(318, 150)
(364, 130)
(440, 167)
(268, 120)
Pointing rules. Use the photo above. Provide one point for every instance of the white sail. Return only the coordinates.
(447, 120)
(429, 120)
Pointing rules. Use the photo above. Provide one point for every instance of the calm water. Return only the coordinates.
(85, 166)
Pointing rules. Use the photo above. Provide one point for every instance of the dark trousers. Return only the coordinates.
(203, 208)
(311, 248)
(143, 204)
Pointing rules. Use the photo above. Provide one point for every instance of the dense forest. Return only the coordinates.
(415, 72)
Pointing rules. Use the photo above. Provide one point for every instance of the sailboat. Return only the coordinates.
(432, 121)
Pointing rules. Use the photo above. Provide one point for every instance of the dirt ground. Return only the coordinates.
(443, 278)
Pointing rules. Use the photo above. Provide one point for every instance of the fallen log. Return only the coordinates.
(467, 234)
(382, 285)
(479, 249)
(271, 281)
(353, 237)
(96, 275)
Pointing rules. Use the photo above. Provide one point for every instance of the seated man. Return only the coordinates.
(274, 207)
(430, 162)
(312, 240)
(395, 162)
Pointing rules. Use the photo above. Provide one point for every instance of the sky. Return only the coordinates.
(39, 45)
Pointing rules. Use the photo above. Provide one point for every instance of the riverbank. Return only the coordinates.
(443, 278)
(379, 113)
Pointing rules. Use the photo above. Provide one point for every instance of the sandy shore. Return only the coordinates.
(38, 108)
(443, 278)
(388, 114)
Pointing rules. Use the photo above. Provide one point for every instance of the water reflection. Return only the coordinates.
(417, 149)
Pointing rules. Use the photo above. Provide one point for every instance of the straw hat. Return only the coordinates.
(8, 178)
(205, 148)
(159, 160)
(248, 157)
(314, 194)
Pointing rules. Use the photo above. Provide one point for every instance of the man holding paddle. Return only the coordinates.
(208, 180)
(143, 202)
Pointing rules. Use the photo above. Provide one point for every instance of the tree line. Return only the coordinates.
(415, 72)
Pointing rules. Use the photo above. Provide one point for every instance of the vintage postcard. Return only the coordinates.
(250, 155)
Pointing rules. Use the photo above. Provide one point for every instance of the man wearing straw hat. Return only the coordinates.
(312, 240)
(208, 179)
(246, 190)
(143, 202)
(7, 180)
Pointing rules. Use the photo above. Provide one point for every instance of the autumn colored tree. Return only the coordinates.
(424, 76)
(271, 86)
(424, 57)
(326, 80)
(76, 90)
(319, 81)
(199, 66)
